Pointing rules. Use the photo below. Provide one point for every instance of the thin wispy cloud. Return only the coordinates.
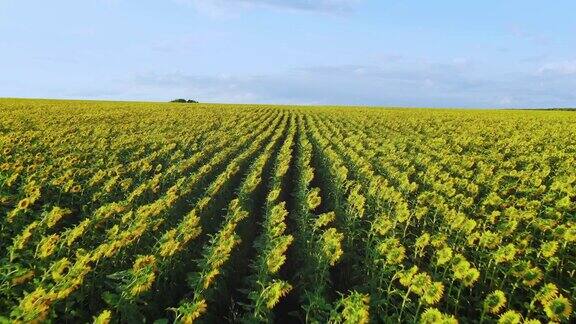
(313, 6)
(559, 68)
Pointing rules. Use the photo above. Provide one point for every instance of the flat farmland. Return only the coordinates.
(129, 212)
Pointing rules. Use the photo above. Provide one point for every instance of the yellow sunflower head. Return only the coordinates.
(532, 276)
(495, 301)
(510, 317)
(548, 292)
(431, 316)
(548, 249)
(433, 293)
(558, 309)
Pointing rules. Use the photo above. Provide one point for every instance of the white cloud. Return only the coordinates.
(559, 68)
(222, 7)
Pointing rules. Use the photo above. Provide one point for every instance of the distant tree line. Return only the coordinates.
(184, 101)
(564, 109)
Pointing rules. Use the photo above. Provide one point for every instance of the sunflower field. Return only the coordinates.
(116, 212)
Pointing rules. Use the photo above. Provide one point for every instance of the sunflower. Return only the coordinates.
(274, 292)
(490, 240)
(431, 316)
(313, 199)
(143, 262)
(103, 318)
(548, 249)
(356, 308)
(510, 317)
(47, 246)
(273, 195)
(461, 269)
(324, 219)
(505, 253)
(420, 282)
(332, 245)
(382, 225)
(449, 319)
(22, 278)
(396, 255)
(433, 293)
(519, 267)
(472, 238)
(558, 308)
(24, 203)
(443, 256)
(495, 301)
(422, 241)
(438, 240)
(60, 268)
(188, 312)
(570, 234)
(532, 276)
(55, 215)
(76, 189)
(470, 277)
(548, 292)
(405, 276)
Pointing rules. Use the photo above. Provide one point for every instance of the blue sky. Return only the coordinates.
(490, 53)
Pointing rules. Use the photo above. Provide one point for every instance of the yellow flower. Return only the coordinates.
(395, 255)
(433, 293)
(505, 253)
(558, 309)
(188, 312)
(47, 246)
(443, 256)
(490, 240)
(382, 224)
(470, 277)
(461, 268)
(420, 282)
(422, 241)
(532, 276)
(548, 292)
(144, 261)
(570, 234)
(313, 199)
(276, 258)
(548, 249)
(55, 215)
(24, 203)
(434, 316)
(276, 290)
(332, 245)
(510, 317)
(60, 268)
(324, 219)
(22, 278)
(495, 301)
(405, 276)
(356, 309)
(103, 318)
(431, 316)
